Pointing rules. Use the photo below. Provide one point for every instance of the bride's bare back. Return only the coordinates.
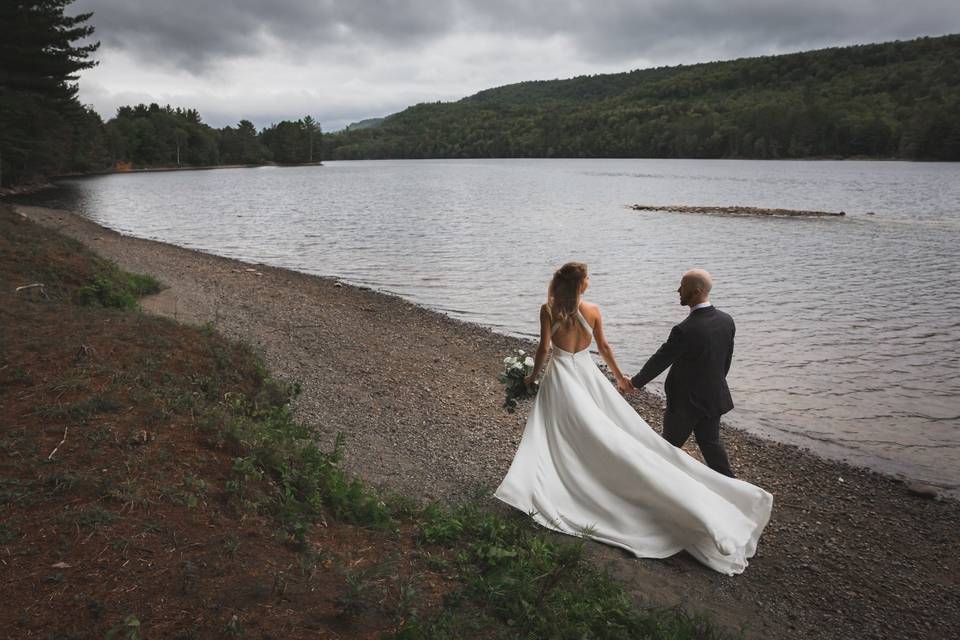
(573, 336)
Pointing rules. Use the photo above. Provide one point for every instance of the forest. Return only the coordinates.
(889, 100)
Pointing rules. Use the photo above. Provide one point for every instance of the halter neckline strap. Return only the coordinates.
(580, 318)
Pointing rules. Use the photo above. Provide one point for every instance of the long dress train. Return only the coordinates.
(588, 464)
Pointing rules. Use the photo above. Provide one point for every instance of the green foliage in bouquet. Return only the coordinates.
(516, 367)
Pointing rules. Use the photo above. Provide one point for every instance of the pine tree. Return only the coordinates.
(312, 129)
(42, 125)
(36, 47)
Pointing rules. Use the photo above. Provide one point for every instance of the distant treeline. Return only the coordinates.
(155, 136)
(897, 99)
(151, 136)
(44, 130)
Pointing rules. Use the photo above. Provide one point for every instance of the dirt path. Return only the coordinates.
(848, 553)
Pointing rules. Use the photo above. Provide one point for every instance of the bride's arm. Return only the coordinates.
(543, 348)
(606, 352)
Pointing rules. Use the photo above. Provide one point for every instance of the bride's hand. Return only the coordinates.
(529, 381)
(624, 385)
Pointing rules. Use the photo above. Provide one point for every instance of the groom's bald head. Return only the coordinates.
(699, 279)
(695, 287)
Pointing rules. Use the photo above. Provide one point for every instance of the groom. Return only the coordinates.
(699, 349)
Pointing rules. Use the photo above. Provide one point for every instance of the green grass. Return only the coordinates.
(537, 587)
(81, 410)
(115, 288)
(7, 534)
(309, 482)
(513, 578)
(92, 516)
(129, 629)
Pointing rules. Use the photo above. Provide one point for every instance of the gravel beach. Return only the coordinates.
(848, 553)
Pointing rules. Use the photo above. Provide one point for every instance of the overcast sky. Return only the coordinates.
(342, 61)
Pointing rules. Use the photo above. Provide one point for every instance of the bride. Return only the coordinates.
(589, 465)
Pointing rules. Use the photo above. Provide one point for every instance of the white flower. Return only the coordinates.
(528, 362)
(507, 360)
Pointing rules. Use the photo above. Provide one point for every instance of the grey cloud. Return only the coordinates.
(195, 35)
(692, 30)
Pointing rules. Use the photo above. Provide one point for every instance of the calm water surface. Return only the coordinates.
(847, 329)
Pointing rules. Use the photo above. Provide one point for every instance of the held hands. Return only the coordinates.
(625, 386)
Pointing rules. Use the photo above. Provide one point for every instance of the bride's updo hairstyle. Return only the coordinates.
(564, 291)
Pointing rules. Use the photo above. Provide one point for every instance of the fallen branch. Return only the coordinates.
(739, 211)
(55, 449)
(36, 285)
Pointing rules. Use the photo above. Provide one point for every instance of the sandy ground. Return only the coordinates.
(848, 553)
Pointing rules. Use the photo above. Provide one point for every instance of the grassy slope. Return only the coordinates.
(153, 483)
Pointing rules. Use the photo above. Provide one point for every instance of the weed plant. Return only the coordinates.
(115, 288)
(307, 481)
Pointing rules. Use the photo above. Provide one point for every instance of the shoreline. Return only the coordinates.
(207, 167)
(36, 187)
(417, 397)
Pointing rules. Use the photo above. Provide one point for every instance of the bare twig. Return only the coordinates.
(36, 285)
(55, 449)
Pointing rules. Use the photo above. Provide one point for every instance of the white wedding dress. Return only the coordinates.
(589, 465)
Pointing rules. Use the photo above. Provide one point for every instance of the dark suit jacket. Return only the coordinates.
(700, 349)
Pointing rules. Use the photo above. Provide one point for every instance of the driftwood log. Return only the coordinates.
(739, 211)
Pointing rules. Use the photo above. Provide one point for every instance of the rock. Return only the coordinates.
(923, 490)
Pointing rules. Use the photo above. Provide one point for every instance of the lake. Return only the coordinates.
(847, 328)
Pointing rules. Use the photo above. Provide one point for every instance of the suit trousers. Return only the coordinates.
(680, 422)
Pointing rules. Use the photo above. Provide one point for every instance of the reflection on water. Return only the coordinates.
(847, 337)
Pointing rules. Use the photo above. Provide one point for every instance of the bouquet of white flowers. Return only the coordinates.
(516, 367)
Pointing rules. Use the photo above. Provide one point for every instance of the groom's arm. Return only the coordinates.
(665, 356)
(733, 334)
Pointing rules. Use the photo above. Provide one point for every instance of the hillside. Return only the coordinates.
(896, 99)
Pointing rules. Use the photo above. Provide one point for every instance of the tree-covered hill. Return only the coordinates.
(896, 99)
